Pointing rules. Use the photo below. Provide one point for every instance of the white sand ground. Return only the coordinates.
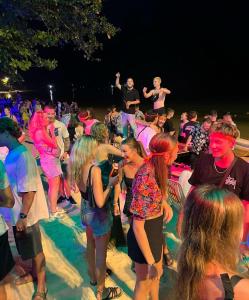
(64, 244)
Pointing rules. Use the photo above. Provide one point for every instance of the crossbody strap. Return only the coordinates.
(227, 285)
(141, 131)
(228, 171)
(89, 183)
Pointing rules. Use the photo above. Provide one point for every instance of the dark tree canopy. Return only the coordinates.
(26, 26)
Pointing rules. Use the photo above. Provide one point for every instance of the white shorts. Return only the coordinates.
(51, 166)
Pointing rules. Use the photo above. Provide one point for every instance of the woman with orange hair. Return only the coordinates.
(149, 207)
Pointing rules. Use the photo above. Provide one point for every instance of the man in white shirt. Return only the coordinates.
(30, 203)
(6, 259)
(146, 130)
(63, 142)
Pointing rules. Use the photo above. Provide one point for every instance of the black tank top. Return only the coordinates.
(229, 284)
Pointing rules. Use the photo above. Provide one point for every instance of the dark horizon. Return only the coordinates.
(199, 51)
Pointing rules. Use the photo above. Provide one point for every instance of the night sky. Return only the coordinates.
(200, 50)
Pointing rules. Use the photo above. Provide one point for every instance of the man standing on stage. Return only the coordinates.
(130, 98)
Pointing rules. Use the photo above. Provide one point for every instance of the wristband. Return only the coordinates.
(22, 216)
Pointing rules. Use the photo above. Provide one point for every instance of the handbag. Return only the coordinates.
(228, 171)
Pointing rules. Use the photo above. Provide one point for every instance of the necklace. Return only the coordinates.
(219, 172)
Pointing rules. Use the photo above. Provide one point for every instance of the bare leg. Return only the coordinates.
(38, 265)
(90, 253)
(53, 191)
(143, 284)
(3, 294)
(101, 251)
(154, 288)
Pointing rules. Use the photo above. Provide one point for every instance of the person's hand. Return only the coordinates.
(154, 272)
(118, 75)
(21, 224)
(116, 210)
(144, 89)
(64, 156)
(128, 103)
(167, 211)
(75, 188)
(113, 180)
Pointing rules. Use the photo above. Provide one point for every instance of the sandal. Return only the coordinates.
(113, 293)
(42, 295)
(24, 278)
(107, 274)
(168, 260)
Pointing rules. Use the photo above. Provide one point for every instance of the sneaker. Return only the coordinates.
(60, 210)
(71, 200)
(55, 215)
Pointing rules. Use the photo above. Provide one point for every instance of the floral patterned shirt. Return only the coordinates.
(147, 197)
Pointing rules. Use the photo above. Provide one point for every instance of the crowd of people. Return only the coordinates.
(132, 153)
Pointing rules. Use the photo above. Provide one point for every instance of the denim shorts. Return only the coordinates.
(98, 219)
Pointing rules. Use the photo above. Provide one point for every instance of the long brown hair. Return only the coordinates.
(211, 232)
(166, 144)
(135, 145)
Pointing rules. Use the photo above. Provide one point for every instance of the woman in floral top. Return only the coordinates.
(149, 207)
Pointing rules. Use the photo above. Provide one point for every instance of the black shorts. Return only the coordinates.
(6, 258)
(159, 111)
(154, 232)
(28, 242)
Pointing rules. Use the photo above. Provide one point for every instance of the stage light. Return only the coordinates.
(8, 96)
(50, 86)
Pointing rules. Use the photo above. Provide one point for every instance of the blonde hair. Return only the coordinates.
(211, 232)
(158, 78)
(100, 132)
(225, 128)
(82, 152)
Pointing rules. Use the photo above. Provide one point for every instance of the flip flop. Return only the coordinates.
(113, 293)
(42, 295)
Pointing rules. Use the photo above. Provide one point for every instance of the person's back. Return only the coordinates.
(213, 287)
(145, 134)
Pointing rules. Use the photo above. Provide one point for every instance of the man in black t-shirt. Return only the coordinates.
(168, 125)
(189, 127)
(211, 168)
(130, 98)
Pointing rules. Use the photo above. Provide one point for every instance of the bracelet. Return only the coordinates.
(22, 216)
(115, 203)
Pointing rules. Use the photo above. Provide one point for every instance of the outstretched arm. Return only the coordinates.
(117, 82)
(147, 95)
(166, 91)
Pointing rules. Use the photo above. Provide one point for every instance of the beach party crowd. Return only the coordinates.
(142, 156)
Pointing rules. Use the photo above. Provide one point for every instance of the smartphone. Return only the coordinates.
(56, 131)
(114, 171)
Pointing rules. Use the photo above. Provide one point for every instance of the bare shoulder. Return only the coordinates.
(241, 290)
